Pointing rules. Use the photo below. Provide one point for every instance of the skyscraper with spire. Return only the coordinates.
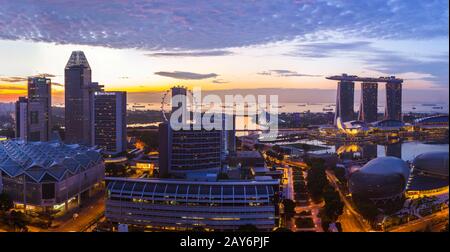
(79, 91)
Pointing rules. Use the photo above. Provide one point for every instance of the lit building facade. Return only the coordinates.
(185, 151)
(109, 123)
(47, 175)
(168, 204)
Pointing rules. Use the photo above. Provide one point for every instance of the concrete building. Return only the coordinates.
(109, 123)
(45, 176)
(170, 204)
(368, 109)
(33, 114)
(79, 90)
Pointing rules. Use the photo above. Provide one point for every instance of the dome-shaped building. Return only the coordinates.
(429, 174)
(382, 181)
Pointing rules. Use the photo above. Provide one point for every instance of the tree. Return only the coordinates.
(333, 205)
(289, 207)
(316, 180)
(18, 220)
(6, 202)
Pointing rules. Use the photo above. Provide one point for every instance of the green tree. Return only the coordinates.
(6, 202)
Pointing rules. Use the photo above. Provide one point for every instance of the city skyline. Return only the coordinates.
(304, 42)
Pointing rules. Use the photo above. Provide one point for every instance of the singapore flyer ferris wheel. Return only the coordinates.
(167, 98)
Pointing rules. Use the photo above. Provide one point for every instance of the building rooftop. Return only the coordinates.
(45, 160)
(77, 58)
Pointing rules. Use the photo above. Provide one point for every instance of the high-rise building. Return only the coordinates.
(33, 114)
(109, 122)
(345, 101)
(368, 110)
(79, 92)
(393, 100)
(39, 109)
(22, 118)
(185, 151)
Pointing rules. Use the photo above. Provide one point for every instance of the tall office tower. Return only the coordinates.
(109, 127)
(22, 118)
(368, 109)
(187, 151)
(39, 109)
(78, 99)
(393, 100)
(345, 101)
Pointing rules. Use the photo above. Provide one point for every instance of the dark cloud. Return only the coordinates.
(201, 24)
(187, 75)
(57, 84)
(190, 54)
(286, 73)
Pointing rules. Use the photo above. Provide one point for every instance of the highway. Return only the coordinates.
(350, 219)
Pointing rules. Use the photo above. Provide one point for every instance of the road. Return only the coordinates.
(350, 219)
(421, 224)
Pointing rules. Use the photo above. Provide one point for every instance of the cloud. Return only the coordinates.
(57, 84)
(219, 81)
(200, 24)
(432, 68)
(191, 54)
(186, 75)
(13, 79)
(286, 73)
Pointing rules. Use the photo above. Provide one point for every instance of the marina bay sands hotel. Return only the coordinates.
(368, 110)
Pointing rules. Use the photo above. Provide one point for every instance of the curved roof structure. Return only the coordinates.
(388, 123)
(433, 164)
(39, 160)
(380, 178)
(352, 127)
(432, 119)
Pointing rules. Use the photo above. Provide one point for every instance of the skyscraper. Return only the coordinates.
(368, 110)
(393, 100)
(22, 118)
(109, 127)
(33, 114)
(344, 101)
(185, 151)
(78, 99)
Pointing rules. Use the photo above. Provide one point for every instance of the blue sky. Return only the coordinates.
(149, 45)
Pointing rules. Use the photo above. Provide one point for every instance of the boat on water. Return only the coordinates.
(327, 109)
(437, 107)
(301, 105)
